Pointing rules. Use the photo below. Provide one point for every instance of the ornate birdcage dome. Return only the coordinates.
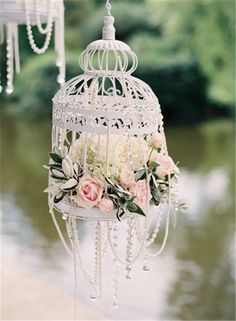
(106, 96)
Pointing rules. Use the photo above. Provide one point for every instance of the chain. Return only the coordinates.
(108, 7)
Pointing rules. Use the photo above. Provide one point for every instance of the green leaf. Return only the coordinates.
(109, 181)
(156, 194)
(122, 213)
(70, 184)
(55, 157)
(55, 166)
(154, 202)
(140, 174)
(139, 210)
(113, 196)
(59, 197)
(121, 190)
(135, 208)
(122, 201)
(56, 150)
(153, 165)
(132, 207)
(57, 173)
(153, 183)
(59, 178)
(117, 215)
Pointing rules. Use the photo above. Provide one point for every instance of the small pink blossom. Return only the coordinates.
(140, 190)
(89, 191)
(166, 164)
(127, 178)
(155, 140)
(106, 205)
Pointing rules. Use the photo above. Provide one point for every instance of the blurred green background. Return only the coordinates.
(185, 50)
(186, 54)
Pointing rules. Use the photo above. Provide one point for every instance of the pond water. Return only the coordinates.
(192, 280)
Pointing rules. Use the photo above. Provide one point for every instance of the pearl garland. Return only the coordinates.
(55, 16)
(10, 65)
(49, 17)
(30, 34)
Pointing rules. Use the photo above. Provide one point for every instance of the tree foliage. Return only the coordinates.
(185, 50)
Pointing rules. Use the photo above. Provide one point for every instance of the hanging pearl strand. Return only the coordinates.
(0, 83)
(152, 239)
(16, 48)
(49, 17)
(130, 236)
(161, 128)
(159, 251)
(115, 267)
(1, 42)
(97, 276)
(80, 262)
(74, 238)
(10, 58)
(59, 42)
(30, 34)
(157, 227)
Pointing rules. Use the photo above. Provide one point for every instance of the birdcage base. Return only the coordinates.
(86, 213)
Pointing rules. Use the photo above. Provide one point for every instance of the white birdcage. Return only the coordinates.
(31, 13)
(109, 159)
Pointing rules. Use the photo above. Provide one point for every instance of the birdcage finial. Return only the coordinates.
(108, 31)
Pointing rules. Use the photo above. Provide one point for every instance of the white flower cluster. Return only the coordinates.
(123, 153)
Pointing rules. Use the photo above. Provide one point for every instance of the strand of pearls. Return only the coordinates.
(158, 252)
(161, 126)
(107, 152)
(145, 263)
(72, 219)
(16, 48)
(157, 226)
(59, 42)
(10, 58)
(80, 262)
(49, 17)
(0, 84)
(1, 42)
(30, 34)
(97, 276)
(115, 267)
(129, 245)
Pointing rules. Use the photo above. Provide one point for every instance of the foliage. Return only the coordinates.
(185, 50)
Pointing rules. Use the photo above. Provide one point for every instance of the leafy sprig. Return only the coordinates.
(123, 200)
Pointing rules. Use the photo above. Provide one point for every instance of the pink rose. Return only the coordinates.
(155, 140)
(140, 190)
(166, 165)
(127, 178)
(89, 191)
(106, 205)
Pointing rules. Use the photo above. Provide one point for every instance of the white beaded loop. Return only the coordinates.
(49, 17)
(33, 45)
(32, 12)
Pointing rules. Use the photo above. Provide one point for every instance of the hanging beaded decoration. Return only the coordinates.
(109, 163)
(32, 12)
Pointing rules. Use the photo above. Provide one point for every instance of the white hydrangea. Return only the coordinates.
(124, 153)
